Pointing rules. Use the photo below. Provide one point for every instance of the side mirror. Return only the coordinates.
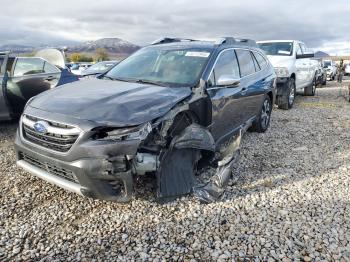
(306, 55)
(227, 80)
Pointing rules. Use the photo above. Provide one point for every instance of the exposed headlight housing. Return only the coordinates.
(282, 71)
(121, 134)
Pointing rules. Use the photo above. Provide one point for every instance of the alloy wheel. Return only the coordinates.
(314, 87)
(291, 96)
(265, 114)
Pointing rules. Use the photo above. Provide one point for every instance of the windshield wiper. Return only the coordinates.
(142, 81)
(118, 79)
(108, 77)
(145, 81)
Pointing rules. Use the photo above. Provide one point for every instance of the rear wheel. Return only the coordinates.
(311, 89)
(286, 100)
(261, 124)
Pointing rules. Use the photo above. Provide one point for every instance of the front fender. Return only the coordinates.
(194, 136)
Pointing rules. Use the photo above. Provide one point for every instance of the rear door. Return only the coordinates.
(252, 85)
(4, 109)
(29, 77)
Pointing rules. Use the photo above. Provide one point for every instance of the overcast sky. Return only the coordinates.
(322, 25)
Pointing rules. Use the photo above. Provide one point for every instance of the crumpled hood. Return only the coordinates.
(280, 61)
(109, 102)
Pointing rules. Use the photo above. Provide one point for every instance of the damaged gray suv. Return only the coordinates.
(169, 111)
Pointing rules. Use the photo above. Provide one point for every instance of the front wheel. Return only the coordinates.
(286, 100)
(261, 124)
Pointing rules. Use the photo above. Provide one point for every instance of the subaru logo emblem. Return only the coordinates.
(41, 127)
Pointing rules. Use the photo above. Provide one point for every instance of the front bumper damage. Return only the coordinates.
(106, 178)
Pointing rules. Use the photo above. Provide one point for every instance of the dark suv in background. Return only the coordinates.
(167, 110)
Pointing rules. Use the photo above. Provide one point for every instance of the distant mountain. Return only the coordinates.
(320, 54)
(112, 45)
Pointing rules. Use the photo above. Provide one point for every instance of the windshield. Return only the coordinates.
(101, 66)
(327, 64)
(277, 48)
(174, 67)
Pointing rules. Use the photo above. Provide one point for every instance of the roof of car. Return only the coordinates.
(203, 44)
(273, 41)
(200, 44)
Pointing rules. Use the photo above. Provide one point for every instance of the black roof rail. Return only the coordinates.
(232, 40)
(245, 41)
(166, 40)
(225, 40)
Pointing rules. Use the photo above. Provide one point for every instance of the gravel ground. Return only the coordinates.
(289, 200)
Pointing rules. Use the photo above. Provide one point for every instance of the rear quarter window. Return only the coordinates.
(261, 60)
(49, 68)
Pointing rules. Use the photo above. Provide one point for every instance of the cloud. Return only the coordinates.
(320, 24)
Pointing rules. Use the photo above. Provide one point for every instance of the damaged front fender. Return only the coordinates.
(196, 137)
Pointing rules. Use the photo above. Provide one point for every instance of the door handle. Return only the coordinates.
(244, 90)
(50, 78)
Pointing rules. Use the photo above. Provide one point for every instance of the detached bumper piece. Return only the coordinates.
(230, 155)
(96, 178)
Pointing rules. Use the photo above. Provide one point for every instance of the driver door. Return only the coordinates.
(4, 109)
(302, 65)
(30, 76)
(226, 100)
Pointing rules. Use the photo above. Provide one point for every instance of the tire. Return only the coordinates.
(311, 89)
(261, 124)
(286, 100)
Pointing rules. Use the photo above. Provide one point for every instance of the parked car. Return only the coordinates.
(98, 68)
(296, 71)
(321, 74)
(347, 69)
(78, 68)
(21, 78)
(167, 110)
(331, 69)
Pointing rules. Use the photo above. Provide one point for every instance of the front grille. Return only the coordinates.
(59, 137)
(50, 168)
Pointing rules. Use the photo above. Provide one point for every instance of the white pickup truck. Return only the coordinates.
(331, 69)
(296, 71)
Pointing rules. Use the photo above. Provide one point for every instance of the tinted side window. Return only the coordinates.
(29, 66)
(261, 60)
(256, 65)
(225, 65)
(246, 63)
(48, 68)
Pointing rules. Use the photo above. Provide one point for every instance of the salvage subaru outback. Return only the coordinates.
(169, 110)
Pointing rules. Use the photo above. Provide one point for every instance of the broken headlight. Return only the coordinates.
(120, 134)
